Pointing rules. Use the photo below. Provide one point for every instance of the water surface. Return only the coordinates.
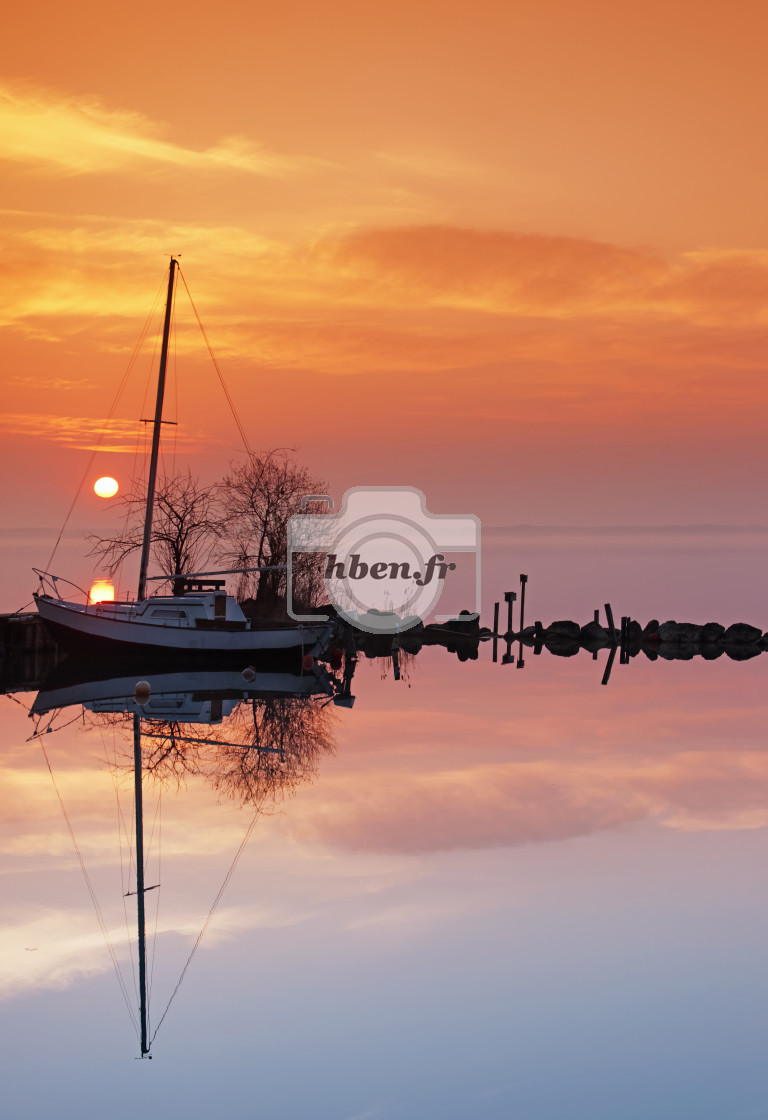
(482, 891)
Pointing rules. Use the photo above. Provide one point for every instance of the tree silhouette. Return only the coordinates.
(185, 528)
(257, 498)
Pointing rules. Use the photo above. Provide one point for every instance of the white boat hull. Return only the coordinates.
(91, 632)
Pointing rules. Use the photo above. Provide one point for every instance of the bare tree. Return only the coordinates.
(185, 528)
(257, 498)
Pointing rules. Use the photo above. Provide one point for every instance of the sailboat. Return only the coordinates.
(204, 620)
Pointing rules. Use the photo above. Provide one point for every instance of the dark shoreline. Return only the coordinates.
(28, 654)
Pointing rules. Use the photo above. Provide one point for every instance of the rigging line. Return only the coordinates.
(120, 830)
(128, 835)
(134, 474)
(151, 836)
(141, 429)
(207, 921)
(10, 696)
(131, 836)
(92, 893)
(230, 402)
(103, 432)
(125, 880)
(129, 937)
(157, 903)
(175, 396)
(37, 734)
(161, 446)
(158, 333)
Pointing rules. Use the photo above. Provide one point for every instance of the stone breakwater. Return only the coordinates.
(673, 641)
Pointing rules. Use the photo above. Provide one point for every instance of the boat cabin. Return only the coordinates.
(199, 609)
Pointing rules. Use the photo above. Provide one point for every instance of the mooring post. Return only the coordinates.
(609, 666)
(495, 632)
(523, 581)
(597, 615)
(509, 598)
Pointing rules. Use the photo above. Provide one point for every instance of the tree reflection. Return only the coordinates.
(275, 747)
(263, 752)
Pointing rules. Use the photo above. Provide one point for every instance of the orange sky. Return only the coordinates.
(515, 255)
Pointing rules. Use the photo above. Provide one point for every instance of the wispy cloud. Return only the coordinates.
(53, 383)
(39, 954)
(510, 804)
(523, 274)
(83, 432)
(571, 314)
(55, 948)
(83, 135)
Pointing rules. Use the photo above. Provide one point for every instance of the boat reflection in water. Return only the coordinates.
(268, 729)
(189, 696)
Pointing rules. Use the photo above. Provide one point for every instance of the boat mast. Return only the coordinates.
(156, 436)
(140, 882)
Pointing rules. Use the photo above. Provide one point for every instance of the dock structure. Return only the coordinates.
(27, 652)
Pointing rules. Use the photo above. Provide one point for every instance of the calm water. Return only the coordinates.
(481, 892)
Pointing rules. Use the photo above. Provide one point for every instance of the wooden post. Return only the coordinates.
(509, 598)
(523, 581)
(609, 666)
(495, 632)
(611, 627)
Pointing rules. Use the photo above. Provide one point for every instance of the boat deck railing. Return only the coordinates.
(49, 583)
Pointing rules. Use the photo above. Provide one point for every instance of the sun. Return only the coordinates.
(106, 487)
(102, 591)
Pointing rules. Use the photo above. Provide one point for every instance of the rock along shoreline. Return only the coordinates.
(671, 640)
